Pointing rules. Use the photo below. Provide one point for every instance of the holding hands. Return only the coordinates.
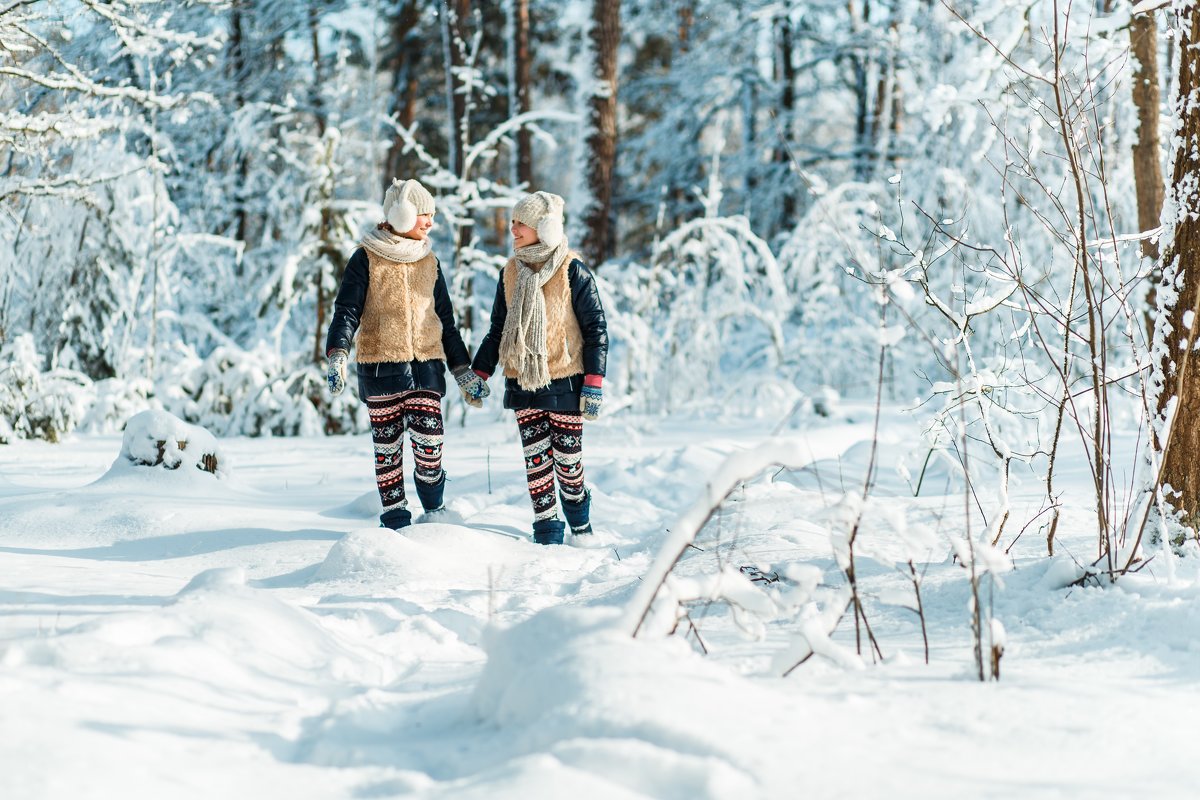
(472, 386)
(335, 372)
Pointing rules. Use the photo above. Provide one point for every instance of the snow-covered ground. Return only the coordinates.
(170, 635)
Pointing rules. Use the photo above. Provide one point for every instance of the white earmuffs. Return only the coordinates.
(550, 227)
(402, 215)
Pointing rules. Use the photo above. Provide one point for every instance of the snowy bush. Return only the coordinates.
(36, 404)
(710, 304)
(258, 392)
(116, 400)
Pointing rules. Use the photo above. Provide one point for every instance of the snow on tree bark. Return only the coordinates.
(1176, 380)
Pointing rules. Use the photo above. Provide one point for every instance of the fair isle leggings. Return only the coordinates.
(421, 413)
(553, 443)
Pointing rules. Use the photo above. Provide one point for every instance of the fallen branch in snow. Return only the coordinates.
(735, 470)
(814, 639)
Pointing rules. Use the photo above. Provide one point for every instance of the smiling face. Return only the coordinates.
(420, 229)
(523, 235)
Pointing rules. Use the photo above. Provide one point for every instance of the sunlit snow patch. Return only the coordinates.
(430, 554)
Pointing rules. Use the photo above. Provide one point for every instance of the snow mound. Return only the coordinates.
(154, 438)
(893, 475)
(568, 674)
(441, 516)
(1061, 572)
(217, 578)
(86, 521)
(431, 553)
(365, 506)
(218, 635)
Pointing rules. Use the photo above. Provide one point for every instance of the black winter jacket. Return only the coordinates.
(562, 394)
(392, 377)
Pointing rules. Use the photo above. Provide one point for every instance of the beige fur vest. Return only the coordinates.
(564, 339)
(399, 322)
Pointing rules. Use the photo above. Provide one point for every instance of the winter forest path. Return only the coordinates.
(260, 637)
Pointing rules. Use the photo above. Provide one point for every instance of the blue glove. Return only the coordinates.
(590, 399)
(472, 386)
(335, 372)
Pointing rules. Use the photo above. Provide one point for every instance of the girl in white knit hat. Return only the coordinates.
(549, 334)
(394, 296)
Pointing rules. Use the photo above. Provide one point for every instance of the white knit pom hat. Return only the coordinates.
(543, 212)
(403, 201)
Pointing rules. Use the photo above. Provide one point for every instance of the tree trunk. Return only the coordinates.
(687, 18)
(454, 52)
(749, 93)
(786, 75)
(400, 63)
(453, 43)
(520, 80)
(602, 136)
(327, 254)
(864, 116)
(318, 102)
(1178, 367)
(237, 70)
(1147, 176)
(886, 121)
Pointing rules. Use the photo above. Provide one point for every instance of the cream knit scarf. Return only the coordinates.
(385, 244)
(523, 347)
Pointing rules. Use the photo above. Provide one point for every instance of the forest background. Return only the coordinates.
(954, 206)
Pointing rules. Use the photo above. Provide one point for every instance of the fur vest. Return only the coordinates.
(399, 322)
(564, 339)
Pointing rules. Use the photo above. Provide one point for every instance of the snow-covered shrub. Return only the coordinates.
(156, 438)
(833, 267)
(754, 597)
(257, 392)
(36, 404)
(708, 307)
(116, 400)
(295, 402)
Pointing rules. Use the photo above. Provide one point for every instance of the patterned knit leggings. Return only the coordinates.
(421, 413)
(553, 445)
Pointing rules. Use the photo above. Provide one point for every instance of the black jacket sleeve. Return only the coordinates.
(585, 300)
(488, 354)
(348, 306)
(452, 342)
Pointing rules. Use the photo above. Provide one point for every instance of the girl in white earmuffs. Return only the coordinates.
(393, 295)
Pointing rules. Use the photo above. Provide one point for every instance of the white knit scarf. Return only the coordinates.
(523, 347)
(394, 247)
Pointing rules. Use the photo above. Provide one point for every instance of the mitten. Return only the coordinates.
(590, 397)
(472, 386)
(335, 372)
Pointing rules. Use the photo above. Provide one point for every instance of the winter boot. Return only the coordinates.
(578, 514)
(395, 519)
(549, 531)
(431, 493)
